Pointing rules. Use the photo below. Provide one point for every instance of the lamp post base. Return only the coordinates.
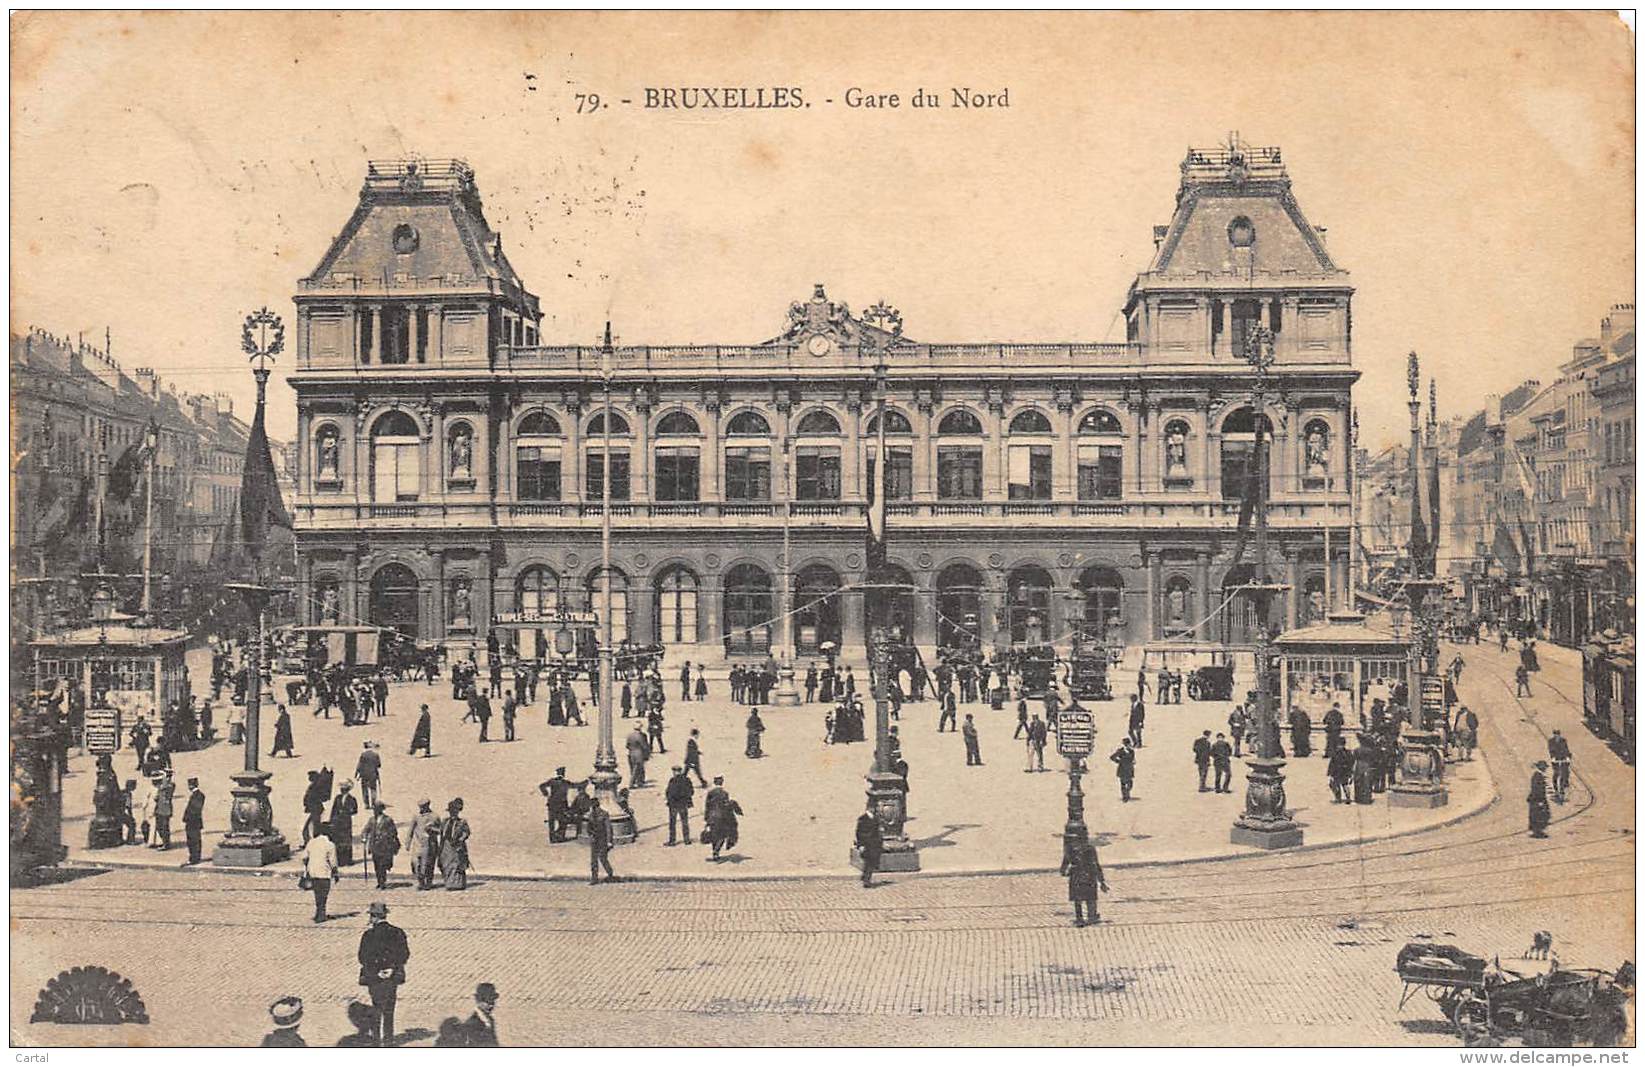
(1421, 773)
(889, 802)
(252, 840)
(606, 781)
(786, 695)
(1265, 822)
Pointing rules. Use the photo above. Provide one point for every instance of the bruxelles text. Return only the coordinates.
(762, 98)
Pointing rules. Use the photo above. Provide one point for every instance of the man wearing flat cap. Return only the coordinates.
(383, 955)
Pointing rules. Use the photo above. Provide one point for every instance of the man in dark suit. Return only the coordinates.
(870, 844)
(383, 956)
(193, 819)
(679, 794)
(480, 1031)
(1202, 758)
(482, 711)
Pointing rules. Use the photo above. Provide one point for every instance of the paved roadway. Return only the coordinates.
(1291, 948)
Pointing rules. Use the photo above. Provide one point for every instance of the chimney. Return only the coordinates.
(147, 382)
(222, 403)
(1159, 234)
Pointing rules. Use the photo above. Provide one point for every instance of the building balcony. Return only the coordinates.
(315, 513)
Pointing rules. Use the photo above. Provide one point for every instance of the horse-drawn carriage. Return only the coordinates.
(1533, 1000)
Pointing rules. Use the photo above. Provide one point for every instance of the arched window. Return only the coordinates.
(747, 464)
(895, 422)
(676, 617)
(959, 423)
(396, 459)
(326, 454)
(460, 453)
(1100, 421)
(1030, 422)
(677, 424)
(539, 424)
(537, 457)
(1239, 451)
(594, 588)
(747, 424)
(596, 425)
(818, 424)
(748, 610)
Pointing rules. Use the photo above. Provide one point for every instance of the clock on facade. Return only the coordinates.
(818, 345)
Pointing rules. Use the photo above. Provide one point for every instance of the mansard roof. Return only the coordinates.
(449, 242)
(1233, 182)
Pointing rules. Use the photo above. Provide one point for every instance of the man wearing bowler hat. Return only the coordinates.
(383, 955)
(481, 1028)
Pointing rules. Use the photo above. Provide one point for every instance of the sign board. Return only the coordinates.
(1433, 699)
(1076, 733)
(102, 730)
(548, 620)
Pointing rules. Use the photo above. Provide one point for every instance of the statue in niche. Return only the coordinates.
(460, 605)
(462, 453)
(328, 454)
(1316, 605)
(1177, 604)
(1315, 446)
(1176, 449)
(328, 604)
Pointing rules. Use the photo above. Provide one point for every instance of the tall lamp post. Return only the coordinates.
(252, 840)
(887, 790)
(787, 695)
(1422, 764)
(606, 779)
(1265, 822)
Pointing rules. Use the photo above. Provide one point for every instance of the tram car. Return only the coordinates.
(1088, 664)
(1608, 690)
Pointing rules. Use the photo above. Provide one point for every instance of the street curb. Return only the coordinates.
(721, 876)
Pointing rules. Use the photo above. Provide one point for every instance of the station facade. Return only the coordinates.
(450, 458)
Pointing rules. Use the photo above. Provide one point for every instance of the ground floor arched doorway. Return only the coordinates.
(959, 606)
(394, 599)
(675, 620)
(1102, 614)
(749, 610)
(816, 609)
(895, 596)
(1028, 604)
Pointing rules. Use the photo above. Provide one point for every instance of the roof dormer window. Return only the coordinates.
(405, 239)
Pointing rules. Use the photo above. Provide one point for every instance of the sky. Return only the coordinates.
(1475, 171)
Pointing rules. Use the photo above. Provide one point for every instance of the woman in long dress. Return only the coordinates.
(756, 727)
(454, 847)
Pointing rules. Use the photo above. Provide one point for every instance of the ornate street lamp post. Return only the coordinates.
(887, 790)
(252, 840)
(1265, 822)
(606, 779)
(1422, 761)
(787, 695)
